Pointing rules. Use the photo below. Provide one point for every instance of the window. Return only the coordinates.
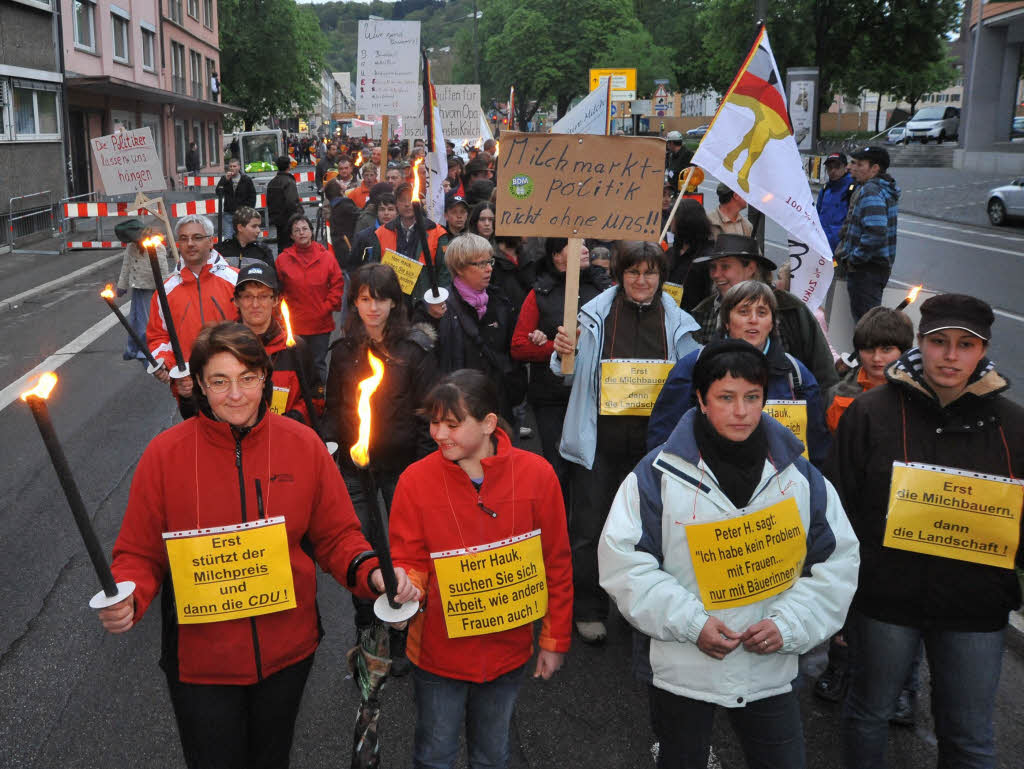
(174, 10)
(196, 70)
(120, 29)
(193, 9)
(208, 14)
(211, 67)
(148, 46)
(956, 97)
(35, 111)
(5, 118)
(180, 143)
(85, 25)
(211, 130)
(178, 68)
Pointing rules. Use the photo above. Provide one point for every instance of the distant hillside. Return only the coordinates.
(440, 22)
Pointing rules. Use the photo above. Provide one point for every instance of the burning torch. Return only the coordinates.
(909, 298)
(108, 296)
(180, 370)
(314, 419)
(112, 592)
(386, 608)
(436, 294)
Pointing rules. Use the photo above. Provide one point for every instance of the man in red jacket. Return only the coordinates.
(199, 291)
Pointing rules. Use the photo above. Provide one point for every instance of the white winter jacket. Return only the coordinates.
(645, 566)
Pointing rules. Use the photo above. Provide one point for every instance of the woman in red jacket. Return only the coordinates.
(480, 526)
(220, 508)
(312, 284)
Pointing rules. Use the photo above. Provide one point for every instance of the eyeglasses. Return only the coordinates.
(255, 298)
(483, 263)
(636, 274)
(193, 238)
(248, 381)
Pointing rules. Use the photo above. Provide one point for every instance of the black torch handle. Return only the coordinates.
(379, 538)
(67, 481)
(428, 258)
(168, 320)
(307, 398)
(131, 332)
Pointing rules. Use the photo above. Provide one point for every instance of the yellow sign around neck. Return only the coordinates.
(408, 270)
(630, 387)
(792, 415)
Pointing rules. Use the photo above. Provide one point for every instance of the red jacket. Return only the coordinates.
(186, 479)
(194, 302)
(312, 284)
(435, 509)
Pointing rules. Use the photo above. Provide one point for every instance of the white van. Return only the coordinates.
(938, 123)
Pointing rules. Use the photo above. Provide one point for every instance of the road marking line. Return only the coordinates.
(913, 234)
(920, 222)
(11, 393)
(10, 302)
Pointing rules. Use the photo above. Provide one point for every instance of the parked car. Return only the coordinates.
(939, 123)
(896, 135)
(1018, 128)
(1006, 201)
(698, 132)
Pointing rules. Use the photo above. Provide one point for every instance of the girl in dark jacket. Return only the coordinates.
(691, 229)
(399, 435)
(533, 341)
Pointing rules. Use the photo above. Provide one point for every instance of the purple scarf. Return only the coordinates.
(475, 299)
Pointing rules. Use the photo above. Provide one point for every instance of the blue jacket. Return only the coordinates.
(869, 235)
(833, 203)
(579, 430)
(678, 396)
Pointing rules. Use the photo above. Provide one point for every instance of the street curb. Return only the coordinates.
(51, 285)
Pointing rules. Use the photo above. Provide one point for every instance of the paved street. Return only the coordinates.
(76, 697)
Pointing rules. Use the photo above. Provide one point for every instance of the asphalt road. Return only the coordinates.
(76, 697)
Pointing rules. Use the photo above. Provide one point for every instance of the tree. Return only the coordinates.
(272, 54)
(637, 49)
(910, 86)
(677, 26)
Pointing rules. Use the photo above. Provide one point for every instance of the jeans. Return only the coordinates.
(865, 287)
(138, 319)
(240, 727)
(444, 704)
(965, 671)
(770, 730)
(319, 344)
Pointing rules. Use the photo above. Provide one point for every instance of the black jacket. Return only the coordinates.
(243, 195)
(192, 162)
(675, 164)
(694, 278)
(235, 253)
(343, 215)
(399, 436)
(282, 198)
(514, 280)
(902, 420)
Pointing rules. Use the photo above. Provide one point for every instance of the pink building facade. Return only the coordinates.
(135, 63)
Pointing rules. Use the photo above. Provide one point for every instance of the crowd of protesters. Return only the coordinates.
(473, 350)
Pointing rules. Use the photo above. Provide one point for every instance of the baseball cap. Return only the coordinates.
(875, 155)
(453, 199)
(967, 313)
(836, 157)
(257, 273)
(673, 136)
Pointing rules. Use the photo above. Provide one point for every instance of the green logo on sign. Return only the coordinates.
(521, 186)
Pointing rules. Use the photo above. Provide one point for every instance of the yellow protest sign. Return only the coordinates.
(630, 387)
(228, 572)
(792, 415)
(954, 514)
(493, 587)
(279, 400)
(674, 290)
(408, 270)
(746, 559)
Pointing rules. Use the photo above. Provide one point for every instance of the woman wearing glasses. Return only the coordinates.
(605, 429)
(221, 507)
(476, 328)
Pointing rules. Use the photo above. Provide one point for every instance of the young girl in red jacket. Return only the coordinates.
(480, 527)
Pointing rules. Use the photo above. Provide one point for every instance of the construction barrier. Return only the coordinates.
(211, 181)
(80, 245)
(205, 206)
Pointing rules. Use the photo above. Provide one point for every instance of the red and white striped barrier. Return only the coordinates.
(80, 245)
(211, 181)
(79, 210)
(208, 206)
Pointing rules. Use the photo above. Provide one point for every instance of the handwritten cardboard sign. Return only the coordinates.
(459, 106)
(580, 186)
(389, 67)
(128, 162)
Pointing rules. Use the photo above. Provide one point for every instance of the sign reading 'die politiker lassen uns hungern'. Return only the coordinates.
(580, 186)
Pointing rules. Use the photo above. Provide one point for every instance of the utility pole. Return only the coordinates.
(476, 51)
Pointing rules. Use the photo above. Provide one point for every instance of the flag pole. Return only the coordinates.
(679, 197)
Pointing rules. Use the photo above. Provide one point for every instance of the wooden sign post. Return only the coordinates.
(579, 186)
(156, 207)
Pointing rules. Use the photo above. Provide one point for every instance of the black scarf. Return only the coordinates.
(737, 465)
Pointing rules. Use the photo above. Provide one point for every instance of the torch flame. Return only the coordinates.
(416, 180)
(912, 294)
(108, 292)
(497, 148)
(152, 241)
(290, 341)
(359, 159)
(360, 452)
(43, 387)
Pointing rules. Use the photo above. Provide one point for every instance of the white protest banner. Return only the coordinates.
(750, 147)
(128, 162)
(590, 116)
(389, 66)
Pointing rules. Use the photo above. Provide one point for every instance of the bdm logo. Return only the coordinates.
(521, 186)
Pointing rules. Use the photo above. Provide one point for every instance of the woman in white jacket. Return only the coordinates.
(731, 555)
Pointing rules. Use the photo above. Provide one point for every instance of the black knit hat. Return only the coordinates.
(701, 369)
(945, 311)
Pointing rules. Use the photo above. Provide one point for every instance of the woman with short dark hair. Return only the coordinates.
(236, 673)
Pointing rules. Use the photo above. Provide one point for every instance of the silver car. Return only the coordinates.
(1006, 201)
